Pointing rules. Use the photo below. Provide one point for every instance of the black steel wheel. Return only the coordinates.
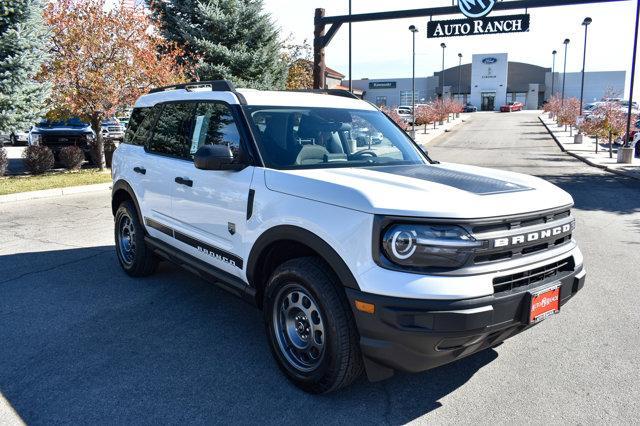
(310, 326)
(134, 256)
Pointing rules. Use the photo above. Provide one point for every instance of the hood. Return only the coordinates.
(439, 191)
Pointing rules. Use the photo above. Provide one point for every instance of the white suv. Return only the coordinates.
(372, 258)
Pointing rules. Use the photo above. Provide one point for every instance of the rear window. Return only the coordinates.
(139, 127)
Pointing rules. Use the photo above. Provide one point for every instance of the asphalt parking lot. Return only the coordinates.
(81, 342)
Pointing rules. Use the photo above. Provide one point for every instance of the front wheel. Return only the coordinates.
(310, 327)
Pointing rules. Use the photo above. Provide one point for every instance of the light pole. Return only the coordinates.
(627, 150)
(459, 72)
(350, 78)
(587, 21)
(564, 73)
(553, 73)
(413, 30)
(444, 46)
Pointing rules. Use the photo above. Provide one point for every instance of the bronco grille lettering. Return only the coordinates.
(533, 236)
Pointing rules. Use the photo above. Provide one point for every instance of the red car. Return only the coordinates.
(511, 106)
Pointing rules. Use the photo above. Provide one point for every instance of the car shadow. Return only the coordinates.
(600, 191)
(84, 343)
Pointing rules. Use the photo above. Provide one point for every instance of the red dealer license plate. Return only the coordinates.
(544, 304)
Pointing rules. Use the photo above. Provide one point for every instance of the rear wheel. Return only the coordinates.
(311, 330)
(134, 256)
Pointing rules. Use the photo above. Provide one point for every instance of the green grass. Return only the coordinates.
(12, 185)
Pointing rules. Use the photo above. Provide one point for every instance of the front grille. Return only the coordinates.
(532, 276)
(64, 140)
(522, 225)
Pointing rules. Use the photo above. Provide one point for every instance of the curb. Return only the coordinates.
(583, 159)
(54, 192)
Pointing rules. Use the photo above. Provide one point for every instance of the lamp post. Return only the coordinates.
(350, 78)
(587, 21)
(444, 46)
(553, 73)
(413, 30)
(564, 73)
(627, 150)
(459, 72)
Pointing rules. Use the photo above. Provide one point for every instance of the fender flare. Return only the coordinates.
(123, 185)
(302, 236)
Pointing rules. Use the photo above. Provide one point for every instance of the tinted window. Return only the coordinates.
(172, 130)
(214, 125)
(139, 126)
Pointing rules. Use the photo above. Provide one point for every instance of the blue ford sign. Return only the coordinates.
(489, 61)
(475, 8)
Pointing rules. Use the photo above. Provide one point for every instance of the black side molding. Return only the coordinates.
(252, 194)
(222, 279)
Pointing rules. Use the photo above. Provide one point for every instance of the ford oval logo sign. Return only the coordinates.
(475, 8)
(489, 61)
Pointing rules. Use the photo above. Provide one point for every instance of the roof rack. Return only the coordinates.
(333, 92)
(215, 85)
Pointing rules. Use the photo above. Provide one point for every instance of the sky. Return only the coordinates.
(383, 49)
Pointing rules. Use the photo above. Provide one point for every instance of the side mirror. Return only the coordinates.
(215, 157)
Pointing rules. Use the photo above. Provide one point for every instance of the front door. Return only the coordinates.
(210, 210)
(488, 101)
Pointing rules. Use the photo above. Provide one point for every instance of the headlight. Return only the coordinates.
(428, 246)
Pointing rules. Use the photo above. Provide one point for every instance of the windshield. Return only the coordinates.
(72, 122)
(300, 137)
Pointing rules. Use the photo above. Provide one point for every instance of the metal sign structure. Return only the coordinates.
(469, 8)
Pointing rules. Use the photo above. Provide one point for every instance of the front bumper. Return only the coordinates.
(415, 334)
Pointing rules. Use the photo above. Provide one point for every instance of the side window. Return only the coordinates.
(214, 125)
(139, 127)
(170, 135)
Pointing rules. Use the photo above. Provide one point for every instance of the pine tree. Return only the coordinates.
(23, 47)
(225, 39)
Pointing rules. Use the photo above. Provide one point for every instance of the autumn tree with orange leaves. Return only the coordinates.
(103, 59)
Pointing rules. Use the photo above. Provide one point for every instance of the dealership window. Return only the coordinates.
(405, 97)
(381, 101)
(521, 97)
(459, 98)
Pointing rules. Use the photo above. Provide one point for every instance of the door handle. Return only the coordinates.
(140, 170)
(184, 181)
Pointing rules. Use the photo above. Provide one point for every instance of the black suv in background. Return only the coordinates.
(58, 134)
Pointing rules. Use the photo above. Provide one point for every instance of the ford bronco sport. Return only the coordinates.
(373, 258)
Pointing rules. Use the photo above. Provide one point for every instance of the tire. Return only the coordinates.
(134, 256)
(311, 330)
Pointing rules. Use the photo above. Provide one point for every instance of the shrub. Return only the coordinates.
(71, 157)
(4, 162)
(393, 115)
(38, 159)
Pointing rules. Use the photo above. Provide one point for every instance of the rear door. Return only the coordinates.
(164, 153)
(209, 207)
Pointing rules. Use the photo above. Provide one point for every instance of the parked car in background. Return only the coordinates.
(58, 134)
(588, 109)
(511, 106)
(405, 113)
(112, 129)
(19, 137)
(469, 107)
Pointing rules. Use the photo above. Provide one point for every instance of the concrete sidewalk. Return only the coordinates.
(423, 138)
(586, 151)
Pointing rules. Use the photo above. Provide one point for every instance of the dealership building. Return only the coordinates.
(491, 80)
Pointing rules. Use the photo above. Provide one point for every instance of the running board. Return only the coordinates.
(222, 279)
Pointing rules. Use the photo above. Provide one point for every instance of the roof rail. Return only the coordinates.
(215, 85)
(333, 92)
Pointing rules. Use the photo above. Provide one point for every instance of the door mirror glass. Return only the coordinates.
(215, 157)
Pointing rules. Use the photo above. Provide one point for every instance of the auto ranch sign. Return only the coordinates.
(477, 22)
